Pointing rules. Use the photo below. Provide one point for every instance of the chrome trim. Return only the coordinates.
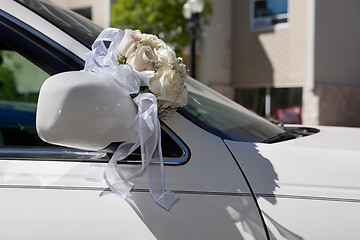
(186, 151)
(51, 154)
(184, 158)
(305, 197)
(54, 153)
(182, 192)
(34, 187)
(134, 190)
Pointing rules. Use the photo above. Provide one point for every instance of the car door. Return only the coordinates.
(58, 192)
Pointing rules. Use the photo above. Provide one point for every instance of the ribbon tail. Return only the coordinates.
(156, 179)
(117, 176)
(150, 142)
(116, 181)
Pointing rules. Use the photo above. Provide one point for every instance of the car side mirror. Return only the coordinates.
(84, 110)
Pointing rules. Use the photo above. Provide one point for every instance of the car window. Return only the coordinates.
(27, 59)
(20, 79)
(20, 82)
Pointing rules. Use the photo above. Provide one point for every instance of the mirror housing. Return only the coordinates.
(84, 110)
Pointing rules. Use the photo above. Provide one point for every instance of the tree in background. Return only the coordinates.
(162, 18)
(7, 82)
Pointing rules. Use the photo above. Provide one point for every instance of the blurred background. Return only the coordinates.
(295, 61)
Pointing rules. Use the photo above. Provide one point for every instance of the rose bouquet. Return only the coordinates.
(146, 52)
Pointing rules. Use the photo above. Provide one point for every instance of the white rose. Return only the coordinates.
(167, 53)
(142, 59)
(152, 41)
(127, 45)
(163, 63)
(165, 85)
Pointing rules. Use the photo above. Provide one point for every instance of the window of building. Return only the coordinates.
(252, 98)
(265, 14)
(283, 104)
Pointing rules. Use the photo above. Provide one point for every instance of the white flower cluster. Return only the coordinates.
(146, 52)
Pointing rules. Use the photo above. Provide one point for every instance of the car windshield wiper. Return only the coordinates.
(291, 133)
(284, 136)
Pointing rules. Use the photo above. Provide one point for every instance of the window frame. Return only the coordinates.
(266, 23)
(34, 44)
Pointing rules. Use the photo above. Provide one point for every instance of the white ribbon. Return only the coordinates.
(103, 60)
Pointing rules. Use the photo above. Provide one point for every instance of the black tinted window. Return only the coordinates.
(225, 118)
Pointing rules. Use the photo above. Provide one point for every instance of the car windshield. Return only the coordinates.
(223, 117)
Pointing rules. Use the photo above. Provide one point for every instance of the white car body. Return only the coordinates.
(304, 188)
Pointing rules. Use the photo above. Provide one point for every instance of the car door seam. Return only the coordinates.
(252, 193)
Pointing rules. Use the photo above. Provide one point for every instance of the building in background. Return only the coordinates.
(96, 10)
(293, 60)
(297, 60)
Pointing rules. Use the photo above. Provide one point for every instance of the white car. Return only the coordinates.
(237, 175)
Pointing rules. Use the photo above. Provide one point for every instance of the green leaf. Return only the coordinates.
(162, 18)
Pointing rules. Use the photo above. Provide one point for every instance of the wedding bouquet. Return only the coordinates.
(145, 68)
(146, 52)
